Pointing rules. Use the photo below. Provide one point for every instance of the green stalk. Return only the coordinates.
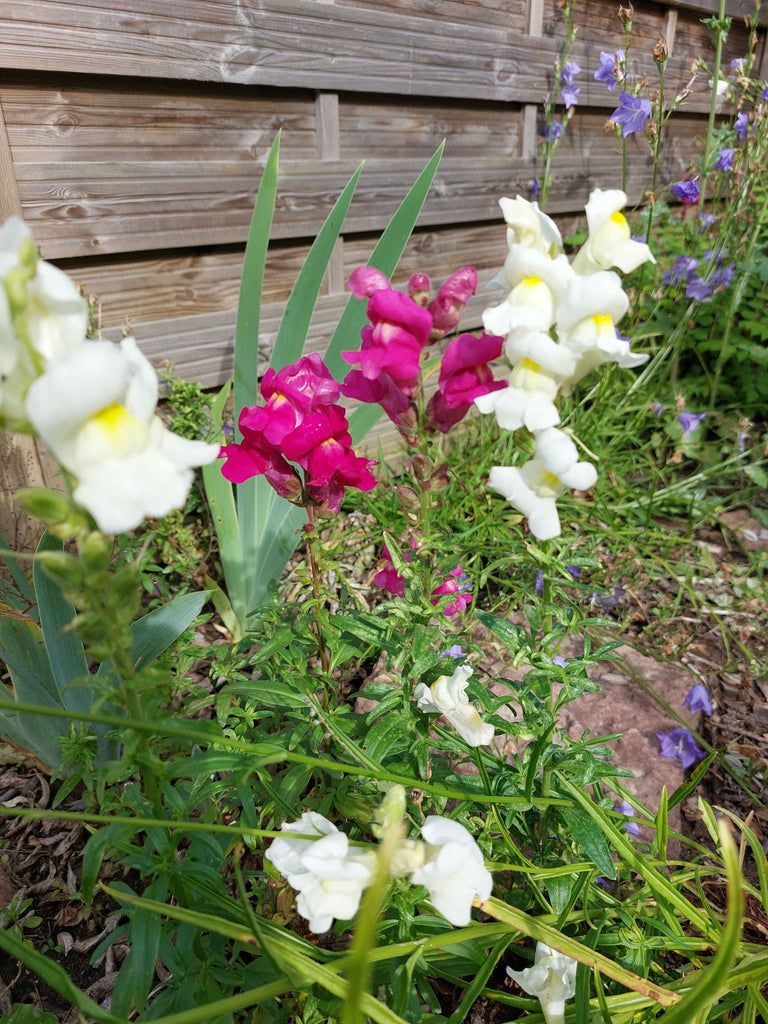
(719, 40)
(274, 755)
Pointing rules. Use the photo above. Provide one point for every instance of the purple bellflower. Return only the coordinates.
(741, 126)
(724, 160)
(690, 421)
(553, 132)
(698, 700)
(539, 581)
(455, 651)
(686, 191)
(610, 70)
(627, 809)
(632, 113)
(569, 94)
(697, 288)
(560, 661)
(680, 743)
(722, 277)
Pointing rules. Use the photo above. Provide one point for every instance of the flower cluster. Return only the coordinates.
(558, 322)
(316, 859)
(456, 584)
(569, 91)
(300, 423)
(685, 270)
(91, 402)
(401, 325)
(680, 742)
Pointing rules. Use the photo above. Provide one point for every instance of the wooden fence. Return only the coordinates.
(133, 135)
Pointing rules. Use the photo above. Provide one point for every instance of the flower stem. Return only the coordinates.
(310, 534)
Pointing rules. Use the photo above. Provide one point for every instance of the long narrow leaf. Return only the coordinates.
(249, 511)
(384, 257)
(272, 531)
(294, 326)
(64, 646)
(251, 284)
(26, 595)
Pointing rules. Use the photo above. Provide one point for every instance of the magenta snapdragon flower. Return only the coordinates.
(464, 376)
(299, 423)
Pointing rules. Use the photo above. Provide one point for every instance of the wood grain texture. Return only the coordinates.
(10, 202)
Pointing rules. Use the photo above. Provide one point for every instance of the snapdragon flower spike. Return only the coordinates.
(528, 225)
(464, 376)
(300, 422)
(394, 340)
(329, 877)
(42, 315)
(533, 489)
(459, 584)
(454, 871)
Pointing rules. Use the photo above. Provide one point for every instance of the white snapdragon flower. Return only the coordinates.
(529, 398)
(552, 979)
(94, 406)
(330, 880)
(586, 325)
(534, 488)
(527, 224)
(42, 314)
(447, 696)
(454, 871)
(535, 284)
(610, 242)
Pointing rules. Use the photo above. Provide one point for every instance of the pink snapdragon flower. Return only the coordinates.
(448, 305)
(299, 422)
(464, 376)
(456, 582)
(393, 341)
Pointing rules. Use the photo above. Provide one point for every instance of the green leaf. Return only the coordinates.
(588, 835)
(294, 326)
(155, 632)
(23, 586)
(64, 647)
(385, 258)
(513, 636)
(267, 691)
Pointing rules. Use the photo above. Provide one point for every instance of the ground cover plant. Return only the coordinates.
(357, 799)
